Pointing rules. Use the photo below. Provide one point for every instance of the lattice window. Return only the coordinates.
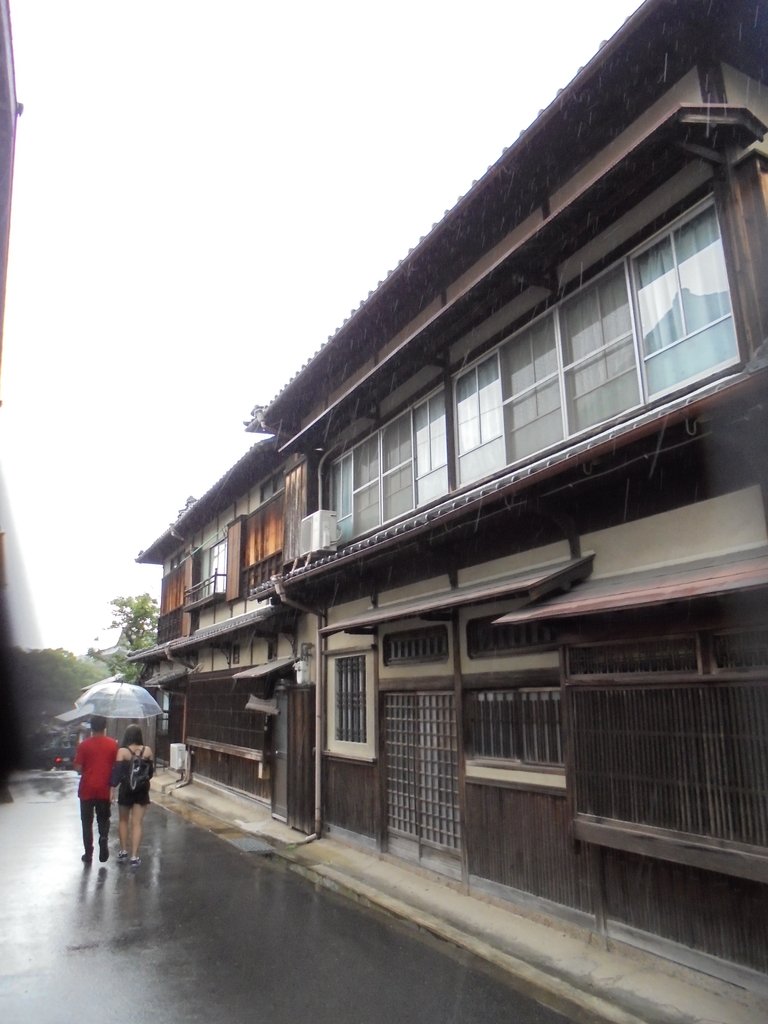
(350, 699)
(485, 640)
(673, 654)
(216, 712)
(418, 645)
(421, 757)
(748, 649)
(516, 725)
(692, 759)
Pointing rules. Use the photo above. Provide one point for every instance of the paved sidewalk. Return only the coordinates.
(561, 966)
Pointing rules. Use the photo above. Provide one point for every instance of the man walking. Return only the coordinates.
(94, 758)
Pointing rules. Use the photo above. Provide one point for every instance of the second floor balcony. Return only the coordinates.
(207, 591)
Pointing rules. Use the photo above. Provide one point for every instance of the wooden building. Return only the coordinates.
(524, 535)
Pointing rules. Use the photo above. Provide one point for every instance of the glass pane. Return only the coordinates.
(467, 414)
(703, 280)
(696, 355)
(489, 398)
(658, 298)
(367, 461)
(396, 442)
(367, 508)
(429, 435)
(482, 461)
(533, 422)
(432, 485)
(602, 387)
(398, 492)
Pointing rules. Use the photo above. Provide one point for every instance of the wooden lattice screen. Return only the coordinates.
(693, 758)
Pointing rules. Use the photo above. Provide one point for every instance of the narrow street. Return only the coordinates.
(203, 931)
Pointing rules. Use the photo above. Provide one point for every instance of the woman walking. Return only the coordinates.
(133, 769)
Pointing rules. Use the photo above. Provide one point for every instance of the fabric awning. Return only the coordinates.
(739, 572)
(523, 587)
(268, 668)
(266, 707)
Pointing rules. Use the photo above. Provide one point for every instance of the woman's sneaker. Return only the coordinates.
(135, 861)
(122, 855)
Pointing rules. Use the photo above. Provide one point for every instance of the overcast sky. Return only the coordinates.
(202, 194)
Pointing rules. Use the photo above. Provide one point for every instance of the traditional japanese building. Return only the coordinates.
(524, 550)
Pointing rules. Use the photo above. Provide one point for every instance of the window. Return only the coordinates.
(516, 725)
(532, 415)
(397, 459)
(690, 759)
(392, 471)
(272, 486)
(484, 639)
(580, 364)
(684, 305)
(209, 575)
(430, 449)
(263, 543)
(599, 353)
(479, 421)
(417, 645)
(350, 699)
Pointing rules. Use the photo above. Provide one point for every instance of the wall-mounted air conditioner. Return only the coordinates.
(318, 532)
(178, 757)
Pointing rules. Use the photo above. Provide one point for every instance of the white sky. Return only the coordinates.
(202, 194)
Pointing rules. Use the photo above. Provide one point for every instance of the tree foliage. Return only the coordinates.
(48, 681)
(136, 618)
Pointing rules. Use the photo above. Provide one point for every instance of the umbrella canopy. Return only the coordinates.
(115, 699)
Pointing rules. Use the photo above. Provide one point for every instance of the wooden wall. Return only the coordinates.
(229, 770)
(350, 795)
(716, 914)
(520, 839)
(301, 765)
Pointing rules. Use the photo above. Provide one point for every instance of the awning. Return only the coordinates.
(266, 707)
(713, 577)
(523, 587)
(266, 669)
(76, 714)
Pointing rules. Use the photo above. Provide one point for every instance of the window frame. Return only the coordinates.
(345, 487)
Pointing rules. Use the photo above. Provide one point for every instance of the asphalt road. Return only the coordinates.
(205, 931)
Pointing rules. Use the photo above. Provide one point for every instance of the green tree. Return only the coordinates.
(48, 681)
(136, 618)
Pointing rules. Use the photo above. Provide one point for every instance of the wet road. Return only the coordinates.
(204, 931)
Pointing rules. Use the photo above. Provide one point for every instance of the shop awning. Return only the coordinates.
(713, 577)
(522, 587)
(266, 707)
(268, 668)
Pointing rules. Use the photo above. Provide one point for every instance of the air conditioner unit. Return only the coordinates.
(178, 757)
(318, 532)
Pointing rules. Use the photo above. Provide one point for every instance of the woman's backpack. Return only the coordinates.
(140, 771)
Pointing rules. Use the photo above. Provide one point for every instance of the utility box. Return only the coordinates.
(319, 532)
(178, 757)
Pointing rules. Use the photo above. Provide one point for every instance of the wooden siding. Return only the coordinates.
(264, 532)
(520, 839)
(295, 510)
(301, 767)
(229, 770)
(709, 912)
(234, 555)
(350, 795)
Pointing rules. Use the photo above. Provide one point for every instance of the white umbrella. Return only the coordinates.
(115, 699)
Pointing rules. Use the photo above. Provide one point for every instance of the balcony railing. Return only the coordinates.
(261, 572)
(207, 590)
